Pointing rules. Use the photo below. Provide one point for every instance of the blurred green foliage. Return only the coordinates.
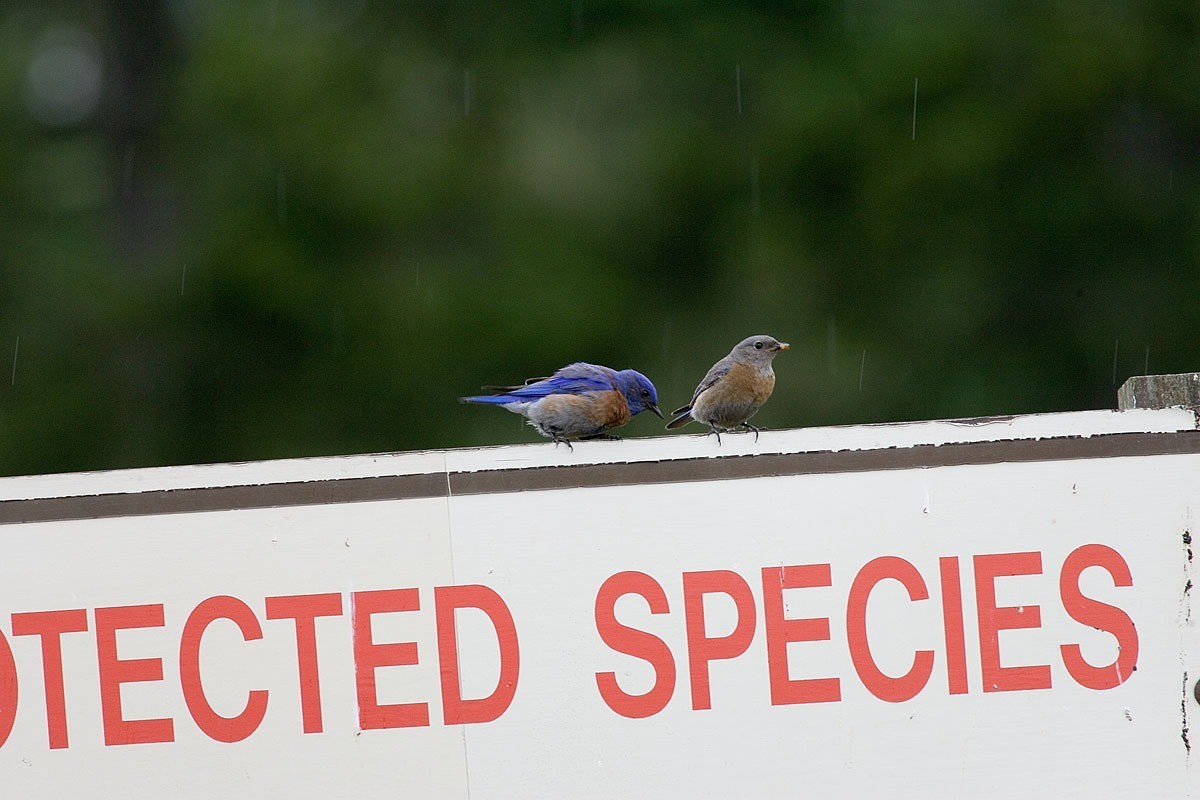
(280, 228)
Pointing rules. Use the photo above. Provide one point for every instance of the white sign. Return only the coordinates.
(986, 608)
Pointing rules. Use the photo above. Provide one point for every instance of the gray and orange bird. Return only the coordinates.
(734, 389)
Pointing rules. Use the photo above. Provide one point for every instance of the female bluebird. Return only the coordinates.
(580, 401)
(734, 389)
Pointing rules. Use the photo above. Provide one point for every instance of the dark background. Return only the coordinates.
(250, 230)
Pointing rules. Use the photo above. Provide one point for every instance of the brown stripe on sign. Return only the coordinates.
(400, 487)
(825, 461)
(223, 498)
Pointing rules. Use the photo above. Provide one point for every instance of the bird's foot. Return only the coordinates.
(562, 440)
(715, 431)
(746, 426)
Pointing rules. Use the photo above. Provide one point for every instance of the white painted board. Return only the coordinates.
(570, 549)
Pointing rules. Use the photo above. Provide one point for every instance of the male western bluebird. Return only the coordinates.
(734, 389)
(580, 401)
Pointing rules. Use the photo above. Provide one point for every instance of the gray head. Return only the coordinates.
(758, 350)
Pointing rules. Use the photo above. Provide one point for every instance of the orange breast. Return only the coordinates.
(756, 386)
(612, 409)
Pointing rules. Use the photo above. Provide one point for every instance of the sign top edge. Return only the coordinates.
(879, 436)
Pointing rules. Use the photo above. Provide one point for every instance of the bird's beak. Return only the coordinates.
(782, 346)
(654, 408)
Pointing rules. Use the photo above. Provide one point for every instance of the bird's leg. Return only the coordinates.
(716, 432)
(553, 434)
(747, 426)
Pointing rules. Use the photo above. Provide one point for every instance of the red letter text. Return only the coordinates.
(215, 726)
(115, 671)
(702, 648)
(781, 630)
(51, 625)
(456, 710)
(369, 656)
(992, 620)
(636, 643)
(304, 609)
(907, 686)
(1099, 615)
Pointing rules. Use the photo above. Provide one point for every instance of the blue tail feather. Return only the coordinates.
(494, 399)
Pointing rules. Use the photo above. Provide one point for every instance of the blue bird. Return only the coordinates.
(580, 401)
(734, 389)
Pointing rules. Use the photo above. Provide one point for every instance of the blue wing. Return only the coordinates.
(572, 379)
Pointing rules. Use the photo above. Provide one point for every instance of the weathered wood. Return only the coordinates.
(1160, 391)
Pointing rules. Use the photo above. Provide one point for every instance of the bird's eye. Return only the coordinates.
(758, 345)
(645, 392)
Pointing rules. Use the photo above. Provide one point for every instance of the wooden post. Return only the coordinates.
(1160, 391)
